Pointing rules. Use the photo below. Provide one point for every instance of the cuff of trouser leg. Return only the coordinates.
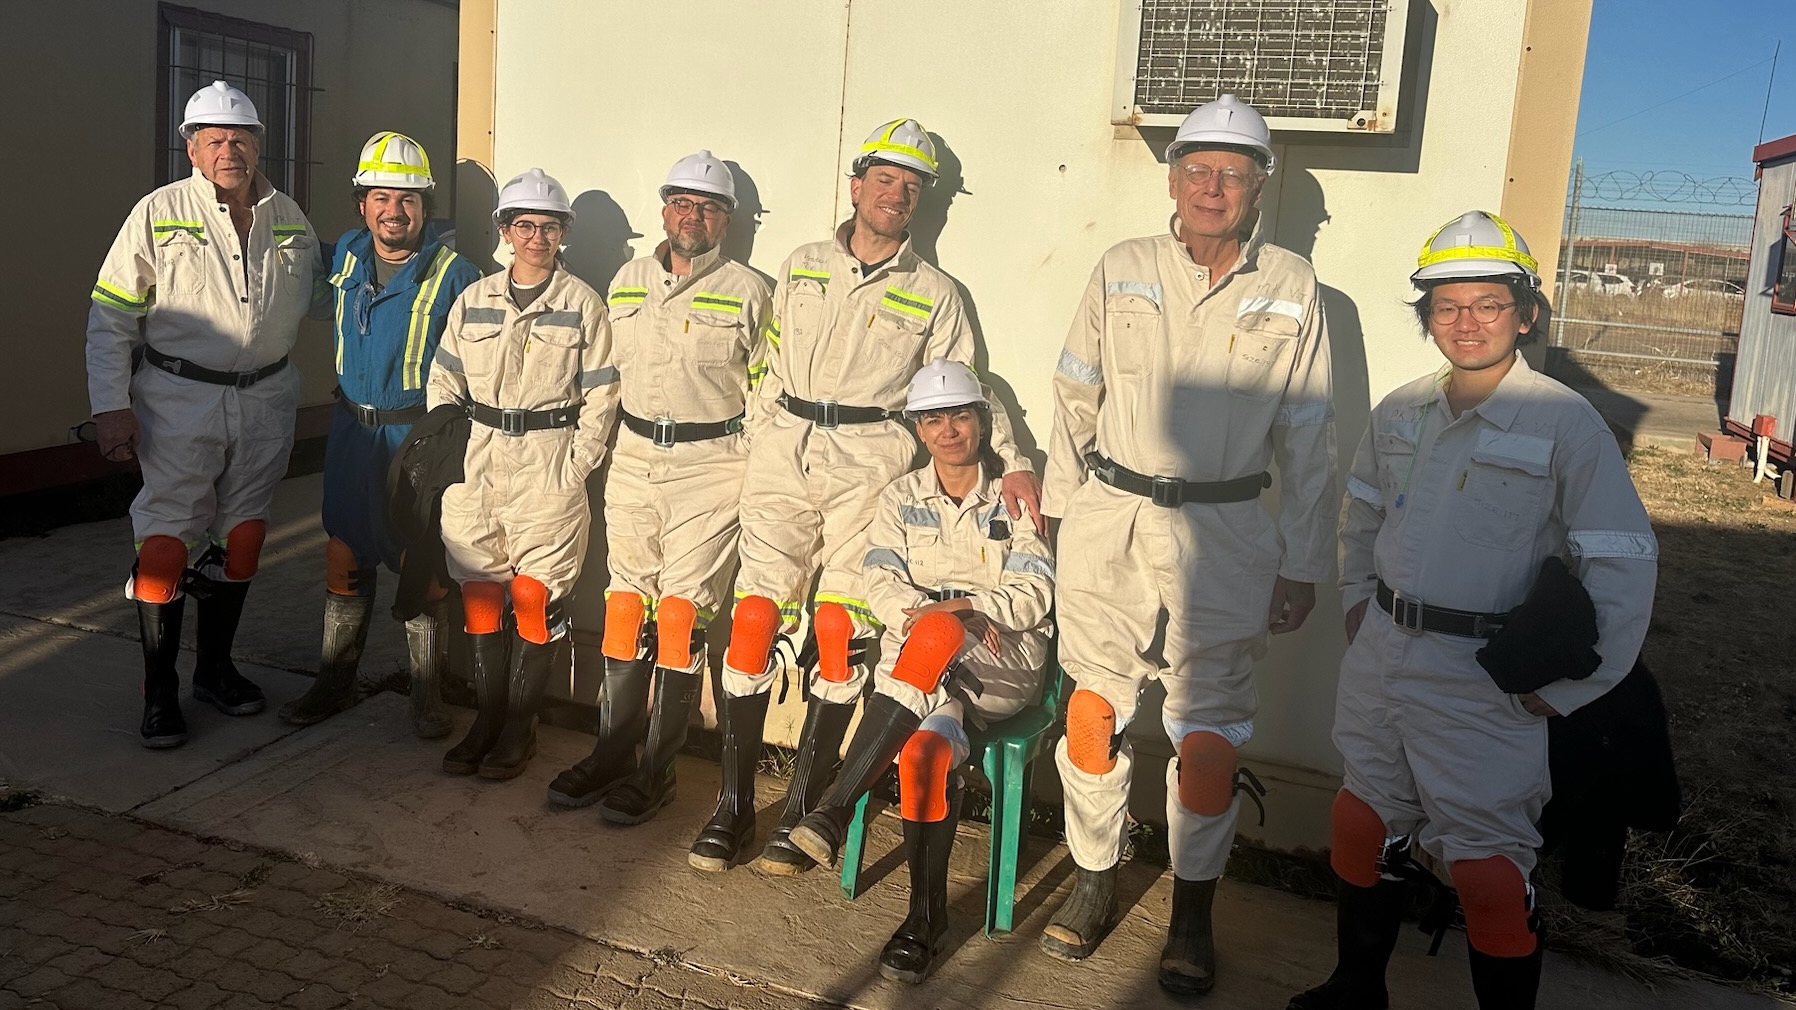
(1236, 733)
(737, 684)
(1100, 847)
(844, 692)
(952, 731)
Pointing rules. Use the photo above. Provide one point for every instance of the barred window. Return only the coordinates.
(1783, 258)
(272, 65)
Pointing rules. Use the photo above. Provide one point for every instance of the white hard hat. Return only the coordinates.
(393, 161)
(901, 142)
(941, 384)
(1226, 121)
(1475, 244)
(702, 173)
(219, 104)
(534, 190)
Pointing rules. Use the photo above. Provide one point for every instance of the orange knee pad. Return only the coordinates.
(1495, 899)
(1090, 730)
(341, 576)
(834, 629)
(160, 562)
(756, 622)
(624, 613)
(483, 605)
(923, 767)
(674, 625)
(243, 549)
(1206, 773)
(530, 602)
(1356, 840)
(930, 647)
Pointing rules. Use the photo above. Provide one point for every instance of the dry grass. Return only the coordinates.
(354, 907)
(211, 903)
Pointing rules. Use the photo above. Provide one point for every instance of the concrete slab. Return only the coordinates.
(360, 792)
(1639, 418)
(72, 705)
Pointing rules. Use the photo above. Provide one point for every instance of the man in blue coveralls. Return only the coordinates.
(394, 283)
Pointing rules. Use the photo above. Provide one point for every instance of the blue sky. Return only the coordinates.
(1644, 52)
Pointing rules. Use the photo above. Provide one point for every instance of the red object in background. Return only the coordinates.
(1763, 425)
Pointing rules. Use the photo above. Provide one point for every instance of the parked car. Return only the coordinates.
(1602, 282)
(1705, 286)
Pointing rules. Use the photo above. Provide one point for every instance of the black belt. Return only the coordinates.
(188, 370)
(514, 421)
(1412, 616)
(829, 413)
(938, 595)
(1171, 492)
(374, 417)
(665, 431)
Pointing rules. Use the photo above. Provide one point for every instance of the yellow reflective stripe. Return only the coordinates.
(755, 374)
(812, 275)
(627, 296)
(716, 302)
(379, 162)
(119, 298)
(788, 608)
(420, 326)
(289, 230)
(195, 228)
(1480, 252)
(910, 304)
(859, 608)
(772, 331)
(349, 265)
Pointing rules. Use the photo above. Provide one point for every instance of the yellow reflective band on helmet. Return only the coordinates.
(716, 302)
(419, 331)
(882, 143)
(1508, 252)
(907, 303)
(118, 298)
(379, 162)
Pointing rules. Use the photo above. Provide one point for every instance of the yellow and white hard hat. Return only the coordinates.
(393, 161)
(901, 142)
(942, 384)
(1475, 244)
(219, 104)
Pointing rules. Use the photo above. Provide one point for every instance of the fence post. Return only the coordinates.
(1571, 246)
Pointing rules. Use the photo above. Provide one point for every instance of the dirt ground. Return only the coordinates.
(1719, 894)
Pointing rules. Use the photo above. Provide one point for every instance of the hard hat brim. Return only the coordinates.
(926, 405)
(188, 129)
(672, 188)
(866, 161)
(1496, 271)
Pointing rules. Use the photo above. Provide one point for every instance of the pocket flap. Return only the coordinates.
(713, 318)
(1530, 454)
(557, 328)
(1133, 302)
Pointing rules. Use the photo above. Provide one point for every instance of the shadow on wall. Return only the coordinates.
(1302, 213)
(745, 222)
(475, 197)
(598, 245)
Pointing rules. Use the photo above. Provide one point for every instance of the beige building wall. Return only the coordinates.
(380, 64)
(1037, 184)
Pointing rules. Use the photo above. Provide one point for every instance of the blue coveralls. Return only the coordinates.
(384, 345)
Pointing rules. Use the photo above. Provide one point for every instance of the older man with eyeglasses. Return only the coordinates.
(687, 325)
(1197, 358)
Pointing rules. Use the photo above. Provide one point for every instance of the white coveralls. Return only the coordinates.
(921, 540)
(1169, 372)
(1460, 513)
(522, 509)
(211, 454)
(811, 491)
(690, 350)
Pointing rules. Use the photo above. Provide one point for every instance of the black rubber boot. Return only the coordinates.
(652, 787)
(487, 655)
(912, 951)
(159, 625)
(819, 747)
(215, 678)
(1367, 921)
(1085, 918)
(334, 690)
(532, 666)
(722, 840)
(885, 727)
(1188, 961)
(426, 648)
(623, 705)
(1505, 983)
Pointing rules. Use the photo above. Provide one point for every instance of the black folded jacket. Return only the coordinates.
(1550, 636)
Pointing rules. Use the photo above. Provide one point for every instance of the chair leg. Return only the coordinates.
(1016, 812)
(993, 762)
(852, 850)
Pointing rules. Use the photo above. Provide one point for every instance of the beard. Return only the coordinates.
(690, 245)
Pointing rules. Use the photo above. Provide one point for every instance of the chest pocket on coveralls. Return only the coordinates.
(716, 339)
(552, 355)
(1131, 331)
(1505, 495)
(481, 348)
(181, 264)
(1260, 353)
(895, 341)
(804, 309)
(1395, 454)
(293, 262)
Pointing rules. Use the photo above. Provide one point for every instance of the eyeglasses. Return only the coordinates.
(527, 230)
(1232, 178)
(1486, 310)
(705, 208)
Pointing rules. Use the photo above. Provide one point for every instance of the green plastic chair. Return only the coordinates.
(1008, 752)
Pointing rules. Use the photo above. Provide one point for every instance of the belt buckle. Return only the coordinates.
(512, 421)
(828, 415)
(1406, 613)
(369, 416)
(246, 379)
(664, 432)
(1167, 492)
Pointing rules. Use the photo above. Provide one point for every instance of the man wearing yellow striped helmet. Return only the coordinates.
(1468, 479)
(392, 282)
(853, 318)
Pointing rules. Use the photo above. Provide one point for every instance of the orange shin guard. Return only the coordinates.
(243, 550)
(923, 767)
(673, 633)
(1357, 837)
(339, 568)
(530, 601)
(1495, 899)
(160, 562)
(1090, 728)
(752, 629)
(483, 604)
(1206, 773)
(833, 628)
(932, 644)
(623, 626)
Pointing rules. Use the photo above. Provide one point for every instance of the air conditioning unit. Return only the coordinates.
(1315, 65)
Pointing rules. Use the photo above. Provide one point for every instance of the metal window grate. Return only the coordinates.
(1301, 59)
